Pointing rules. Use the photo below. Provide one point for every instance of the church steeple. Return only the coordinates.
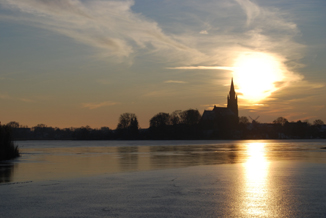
(233, 100)
(232, 92)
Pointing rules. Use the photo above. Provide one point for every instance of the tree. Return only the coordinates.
(160, 120)
(190, 117)
(244, 120)
(13, 124)
(41, 125)
(125, 120)
(318, 122)
(134, 124)
(175, 117)
(280, 120)
(128, 126)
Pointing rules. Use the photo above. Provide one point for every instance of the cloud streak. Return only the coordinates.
(92, 106)
(109, 26)
(115, 30)
(8, 97)
(202, 68)
(175, 81)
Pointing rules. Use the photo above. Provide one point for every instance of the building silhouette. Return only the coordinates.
(233, 100)
(223, 117)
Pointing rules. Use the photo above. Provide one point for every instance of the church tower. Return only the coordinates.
(233, 100)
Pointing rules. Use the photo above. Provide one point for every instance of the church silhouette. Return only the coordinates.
(223, 116)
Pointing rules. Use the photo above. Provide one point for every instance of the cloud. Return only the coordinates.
(92, 106)
(109, 26)
(5, 96)
(116, 31)
(27, 100)
(211, 106)
(265, 30)
(8, 97)
(252, 10)
(175, 81)
(202, 68)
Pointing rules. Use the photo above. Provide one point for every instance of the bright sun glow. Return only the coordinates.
(256, 74)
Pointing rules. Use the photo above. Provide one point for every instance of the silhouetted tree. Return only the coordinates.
(318, 122)
(190, 117)
(189, 125)
(160, 125)
(316, 129)
(128, 127)
(13, 124)
(160, 120)
(243, 127)
(280, 120)
(134, 128)
(125, 120)
(175, 117)
(244, 120)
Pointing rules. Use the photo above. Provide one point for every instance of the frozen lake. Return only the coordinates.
(257, 178)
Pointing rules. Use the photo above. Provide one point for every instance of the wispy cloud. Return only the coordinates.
(9, 97)
(98, 105)
(202, 68)
(175, 81)
(203, 32)
(115, 30)
(211, 106)
(252, 10)
(110, 26)
(27, 100)
(4, 96)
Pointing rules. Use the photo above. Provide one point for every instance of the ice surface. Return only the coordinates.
(259, 181)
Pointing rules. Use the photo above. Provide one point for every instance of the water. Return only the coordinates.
(256, 178)
(44, 160)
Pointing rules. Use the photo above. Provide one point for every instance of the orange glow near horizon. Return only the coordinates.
(255, 75)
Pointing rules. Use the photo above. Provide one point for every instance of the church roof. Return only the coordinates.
(223, 111)
(217, 112)
(208, 115)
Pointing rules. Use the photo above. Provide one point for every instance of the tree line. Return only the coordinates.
(177, 125)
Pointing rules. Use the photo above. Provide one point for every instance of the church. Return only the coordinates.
(221, 117)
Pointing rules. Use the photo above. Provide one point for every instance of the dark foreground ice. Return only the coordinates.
(246, 180)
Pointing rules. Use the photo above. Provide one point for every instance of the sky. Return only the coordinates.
(72, 63)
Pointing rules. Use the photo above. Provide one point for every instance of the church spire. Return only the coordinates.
(233, 100)
(232, 94)
(232, 86)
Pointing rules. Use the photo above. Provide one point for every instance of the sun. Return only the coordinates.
(256, 74)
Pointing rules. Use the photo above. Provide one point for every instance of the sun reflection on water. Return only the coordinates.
(256, 170)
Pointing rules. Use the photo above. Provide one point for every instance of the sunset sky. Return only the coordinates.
(72, 63)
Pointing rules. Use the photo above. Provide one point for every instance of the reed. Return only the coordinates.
(7, 148)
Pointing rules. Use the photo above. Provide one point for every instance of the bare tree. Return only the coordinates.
(280, 120)
(318, 122)
(13, 124)
(126, 120)
(244, 120)
(190, 117)
(160, 120)
(175, 117)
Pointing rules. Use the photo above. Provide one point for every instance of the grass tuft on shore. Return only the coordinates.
(7, 148)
